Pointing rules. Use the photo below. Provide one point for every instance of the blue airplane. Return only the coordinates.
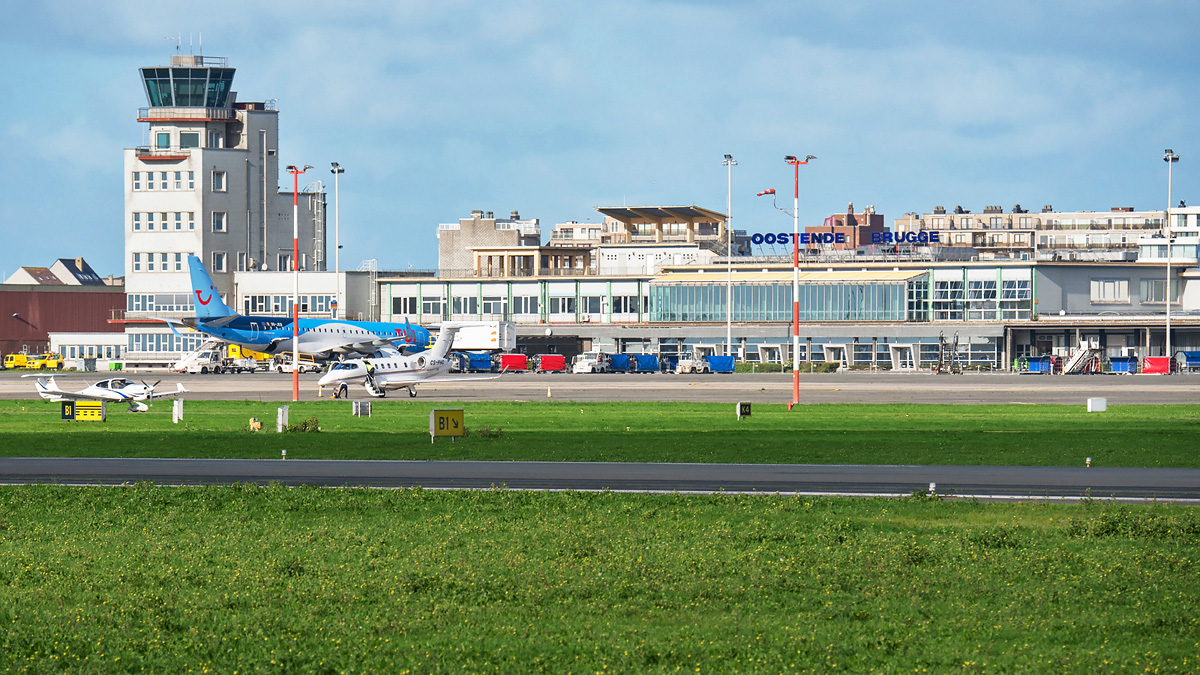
(322, 338)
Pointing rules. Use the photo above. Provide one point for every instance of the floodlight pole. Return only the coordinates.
(337, 171)
(796, 279)
(1170, 158)
(729, 163)
(296, 278)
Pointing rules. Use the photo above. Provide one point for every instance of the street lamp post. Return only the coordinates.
(1170, 158)
(296, 278)
(796, 279)
(729, 163)
(337, 171)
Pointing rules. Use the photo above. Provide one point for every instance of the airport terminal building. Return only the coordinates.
(874, 306)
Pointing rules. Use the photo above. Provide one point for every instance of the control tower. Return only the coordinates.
(206, 181)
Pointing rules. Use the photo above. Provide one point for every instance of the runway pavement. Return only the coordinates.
(852, 387)
(982, 482)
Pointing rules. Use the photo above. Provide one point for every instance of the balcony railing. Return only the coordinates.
(144, 152)
(184, 113)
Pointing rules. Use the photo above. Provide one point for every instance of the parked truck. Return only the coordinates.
(590, 362)
(479, 336)
(690, 363)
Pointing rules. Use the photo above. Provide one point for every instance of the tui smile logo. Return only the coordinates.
(201, 299)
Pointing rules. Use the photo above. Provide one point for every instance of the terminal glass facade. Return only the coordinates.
(826, 301)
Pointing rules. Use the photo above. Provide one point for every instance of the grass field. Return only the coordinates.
(1144, 436)
(254, 579)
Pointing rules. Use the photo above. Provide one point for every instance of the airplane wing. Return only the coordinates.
(366, 347)
(408, 382)
(463, 378)
(169, 394)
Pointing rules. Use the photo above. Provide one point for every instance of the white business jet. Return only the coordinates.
(116, 390)
(390, 369)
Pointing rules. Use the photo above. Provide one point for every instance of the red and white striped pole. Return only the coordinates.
(296, 278)
(796, 280)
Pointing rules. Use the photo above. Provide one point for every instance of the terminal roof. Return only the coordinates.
(661, 214)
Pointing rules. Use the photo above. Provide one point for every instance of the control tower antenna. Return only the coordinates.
(178, 42)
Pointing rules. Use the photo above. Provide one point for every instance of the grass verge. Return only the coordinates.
(1128, 436)
(251, 579)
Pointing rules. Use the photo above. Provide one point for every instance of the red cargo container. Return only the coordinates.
(1156, 365)
(514, 363)
(551, 363)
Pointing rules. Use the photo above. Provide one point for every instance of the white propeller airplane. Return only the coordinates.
(116, 390)
(389, 369)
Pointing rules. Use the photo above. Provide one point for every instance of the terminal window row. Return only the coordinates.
(282, 304)
(520, 305)
(1116, 291)
(160, 302)
(168, 221)
(90, 351)
(158, 262)
(159, 181)
(187, 140)
(163, 342)
(164, 180)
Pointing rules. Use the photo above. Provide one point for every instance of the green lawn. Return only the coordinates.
(1151, 436)
(250, 579)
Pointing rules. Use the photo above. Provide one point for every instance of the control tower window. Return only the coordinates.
(163, 140)
(189, 139)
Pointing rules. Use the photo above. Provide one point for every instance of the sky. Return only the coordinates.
(555, 107)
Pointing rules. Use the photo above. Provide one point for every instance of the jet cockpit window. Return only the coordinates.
(345, 366)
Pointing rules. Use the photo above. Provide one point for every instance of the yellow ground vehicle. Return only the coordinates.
(16, 360)
(45, 361)
(283, 364)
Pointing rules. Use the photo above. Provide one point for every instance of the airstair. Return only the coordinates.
(373, 390)
(948, 355)
(205, 356)
(1083, 360)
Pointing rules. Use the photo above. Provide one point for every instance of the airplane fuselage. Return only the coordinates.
(273, 334)
(388, 372)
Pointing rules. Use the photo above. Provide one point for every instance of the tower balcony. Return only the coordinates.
(189, 114)
(148, 154)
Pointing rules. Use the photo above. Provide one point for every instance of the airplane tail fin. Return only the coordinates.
(209, 304)
(444, 341)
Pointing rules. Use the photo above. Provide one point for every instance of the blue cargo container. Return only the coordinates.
(1041, 364)
(478, 362)
(645, 363)
(720, 364)
(619, 363)
(668, 363)
(1191, 361)
(1124, 364)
